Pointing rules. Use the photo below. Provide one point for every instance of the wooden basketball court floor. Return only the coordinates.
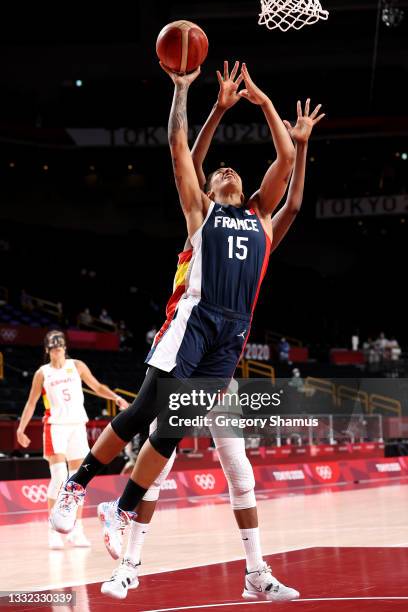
(343, 551)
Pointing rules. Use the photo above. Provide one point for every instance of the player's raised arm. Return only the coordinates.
(227, 97)
(193, 201)
(300, 133)
(275, 181)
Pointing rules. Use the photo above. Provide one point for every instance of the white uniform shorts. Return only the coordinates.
(69, 440)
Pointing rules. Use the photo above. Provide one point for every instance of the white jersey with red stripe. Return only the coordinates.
(62, 394)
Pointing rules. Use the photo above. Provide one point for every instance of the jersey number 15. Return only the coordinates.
(241, 250)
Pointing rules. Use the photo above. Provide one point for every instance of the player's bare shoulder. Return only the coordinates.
(39, 374)
(80, 365)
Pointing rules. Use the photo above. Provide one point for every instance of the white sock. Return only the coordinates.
(79, 525)
(137, 535)
(252, 546)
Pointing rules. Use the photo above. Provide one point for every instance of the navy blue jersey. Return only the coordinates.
(230, 256)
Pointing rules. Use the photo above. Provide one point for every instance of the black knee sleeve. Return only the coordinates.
(143, 410)
(166, 436)
(164, 446)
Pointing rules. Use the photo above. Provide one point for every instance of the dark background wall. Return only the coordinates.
(89, 210)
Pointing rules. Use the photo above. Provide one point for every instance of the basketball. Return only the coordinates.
(182, 46)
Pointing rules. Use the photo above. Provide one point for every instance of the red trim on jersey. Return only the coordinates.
(261, 277)
(183, 257)
(173, 301)
(47, 407)
(264, 266)
(48, 447)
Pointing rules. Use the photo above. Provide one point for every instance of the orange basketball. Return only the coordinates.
(182, 46)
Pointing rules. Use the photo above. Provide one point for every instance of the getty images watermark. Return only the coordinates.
(224, 407)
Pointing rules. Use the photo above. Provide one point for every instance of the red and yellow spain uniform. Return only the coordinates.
(179, 288)
(65, 416)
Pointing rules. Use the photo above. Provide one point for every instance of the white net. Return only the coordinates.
(286, 14)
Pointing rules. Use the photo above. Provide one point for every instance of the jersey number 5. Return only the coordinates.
(66, 394)
(241, 250)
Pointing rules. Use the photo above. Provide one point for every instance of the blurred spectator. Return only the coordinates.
(85, 317)
(381, 345)
(394, 349)
(105, 317)
(355, 341)
(125, 337)
(283, 349)
(150, 335)
(297, 381)
(88, 273)
(370, 351)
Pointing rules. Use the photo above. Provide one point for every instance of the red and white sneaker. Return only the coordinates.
(63, 515)
(260, 584)
(114, 522)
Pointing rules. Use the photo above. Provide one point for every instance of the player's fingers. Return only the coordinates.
(195, 73)
(307, 107)
(316, 110)
(245, 72)
(287, 125)
(299, 108)
(234, 71)
(318, 118)
(225, 70)
(243, 93)
(239, 80)
(219, 77)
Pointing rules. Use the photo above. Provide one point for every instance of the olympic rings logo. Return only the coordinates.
(324, 471)
(36, 494)
(8, 335)
(205, 481)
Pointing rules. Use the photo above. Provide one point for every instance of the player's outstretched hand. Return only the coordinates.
(121, 403)
(181, 79)
(251, 91)
(228, 94)
(22, 439)
(301, 131)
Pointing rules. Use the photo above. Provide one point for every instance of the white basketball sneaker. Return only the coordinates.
(114, 522)
(77, 537)
(123, 578)
(260, 584)
(55, 541)
(63, 514)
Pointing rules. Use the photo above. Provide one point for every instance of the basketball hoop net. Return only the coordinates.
(286, 14)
